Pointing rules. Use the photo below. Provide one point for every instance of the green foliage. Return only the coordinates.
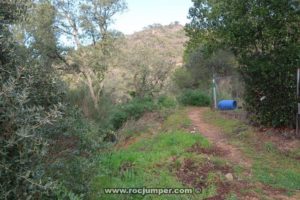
(71, 157)
(25, 117)
(74, 173)
(264, 37)
(40, 31)
(137, 165)
(277, 85)
(134, 109)
(194, 98)
(87, 22)
(203, 67)
(166, 101)
(96, 16)
(200, 68)
(80, 98)
(148, 58)
(34, 117)
(184, 79)
(62, 193)
(23, 144)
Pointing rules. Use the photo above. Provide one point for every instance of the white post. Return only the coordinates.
(214, 92)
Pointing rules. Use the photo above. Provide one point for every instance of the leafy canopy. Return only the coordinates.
(264, 36)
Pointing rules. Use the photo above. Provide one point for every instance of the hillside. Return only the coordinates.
(155, 48)
(167, 40)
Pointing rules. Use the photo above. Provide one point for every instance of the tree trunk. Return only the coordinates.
(94, 97)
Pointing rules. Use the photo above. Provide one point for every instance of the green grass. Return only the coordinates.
(176, 121)
(270, 166)
(278, 177)
(145, 164)
(148, 162)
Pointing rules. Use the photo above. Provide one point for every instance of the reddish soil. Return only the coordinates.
(218, 139)
(214, 150)
(196, 175)
(189, 172)
(278, 137)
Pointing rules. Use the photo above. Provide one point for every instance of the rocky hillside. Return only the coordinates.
(147, 48)
(168, 40)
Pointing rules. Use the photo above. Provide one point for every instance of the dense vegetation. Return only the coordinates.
(34, 114)
(84, 107)
(194, 98)
(48, 89)
(27, 111)
(264, 37)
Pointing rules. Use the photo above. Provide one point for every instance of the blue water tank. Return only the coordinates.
(227, 104)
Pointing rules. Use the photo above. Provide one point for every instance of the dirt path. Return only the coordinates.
(215, 136)
(233, 154)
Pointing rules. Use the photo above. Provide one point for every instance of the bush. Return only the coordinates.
(137, 107)
(74, 142)
(270, 90)
(183, 78)
(134, 109)
(194, 98)
(166, 101)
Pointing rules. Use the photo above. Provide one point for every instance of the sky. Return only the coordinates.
(141, 13)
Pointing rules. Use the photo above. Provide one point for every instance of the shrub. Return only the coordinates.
(134, 109)
(270, 93)
(166, 101)
(194, 98)
(183, 78)
(137, 107)
(26, 117)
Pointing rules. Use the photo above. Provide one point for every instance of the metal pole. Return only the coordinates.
(297, 125)
(298, 82)
(298, 113)
(214, 92)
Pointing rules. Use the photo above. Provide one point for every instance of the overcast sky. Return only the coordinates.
(142, 13)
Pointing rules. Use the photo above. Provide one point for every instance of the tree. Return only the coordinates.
(90, 65)
(68, 19)
(39, 48)
(97, 15)
(41, 33)
(149, 68)
(200, 68)
(87, 21)
(25, 117)
(264, 36)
